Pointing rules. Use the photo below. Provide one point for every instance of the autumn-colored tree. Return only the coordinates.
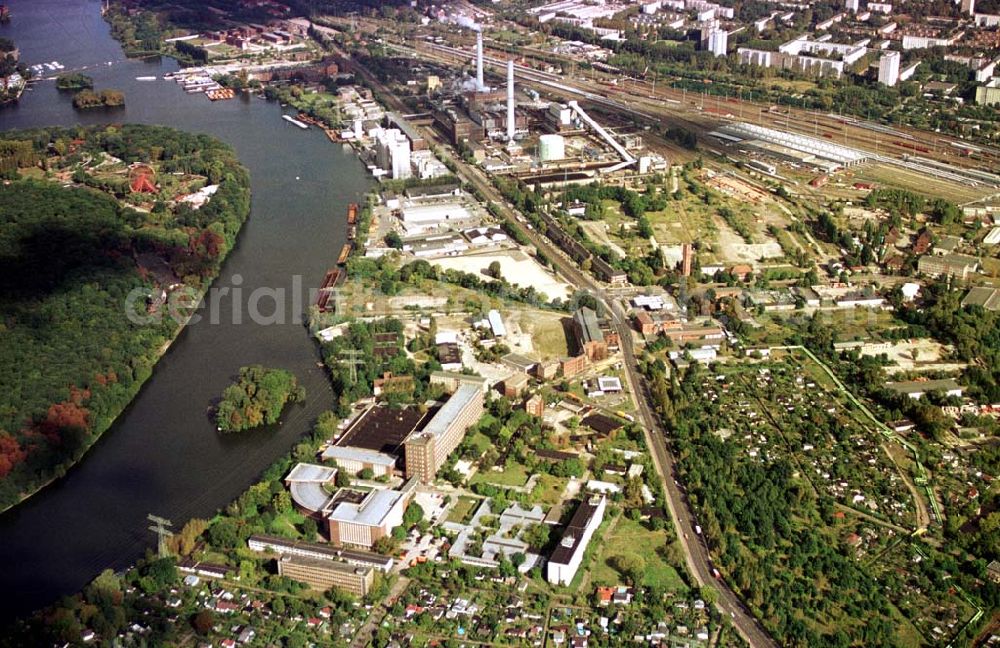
(66, 414)
(203, 621)
(183, 543)
(11, 453)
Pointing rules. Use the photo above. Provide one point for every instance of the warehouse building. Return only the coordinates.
(988, 298)
(916, 389)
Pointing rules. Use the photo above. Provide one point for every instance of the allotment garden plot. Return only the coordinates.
(783, 408)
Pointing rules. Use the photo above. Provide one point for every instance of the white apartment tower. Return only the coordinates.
(718, 42)
(852, 5)
(888, 69)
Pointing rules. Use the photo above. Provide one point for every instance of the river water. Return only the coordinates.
(163, 455)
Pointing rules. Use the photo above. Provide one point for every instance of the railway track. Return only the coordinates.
(642, 99)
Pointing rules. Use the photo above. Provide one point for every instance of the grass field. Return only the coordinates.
(549, 490)
(515, 475)
(463, 509)
(480, 442)
(287, 521)
(547, 333)
(632, 538)
(683, 221)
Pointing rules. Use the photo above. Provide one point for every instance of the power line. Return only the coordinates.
(353, 358)
(160, 528)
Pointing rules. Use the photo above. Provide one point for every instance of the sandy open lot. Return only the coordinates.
(516, 266)
(916, 355)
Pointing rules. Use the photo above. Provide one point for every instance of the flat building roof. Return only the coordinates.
(382, 429)
(458, 402)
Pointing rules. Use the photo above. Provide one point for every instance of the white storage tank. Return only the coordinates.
(551, 147)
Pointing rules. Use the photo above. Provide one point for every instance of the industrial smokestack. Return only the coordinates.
(480, 86)
(510, 100)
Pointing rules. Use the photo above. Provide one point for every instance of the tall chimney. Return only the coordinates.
(480, 86)
(510, 100)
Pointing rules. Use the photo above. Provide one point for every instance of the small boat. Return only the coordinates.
(145, 78)
(296, 122)
(344, 253)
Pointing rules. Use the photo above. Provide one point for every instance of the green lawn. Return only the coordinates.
(631, 537)
(463, 509)
(515, 475)
(287, 521)
(549, 490)
(480, 442)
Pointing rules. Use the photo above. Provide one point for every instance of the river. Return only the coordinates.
(162, 455)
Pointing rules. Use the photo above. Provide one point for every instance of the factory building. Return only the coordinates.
(427, 450)
(417, 141)
(392, 153)
(551, 147)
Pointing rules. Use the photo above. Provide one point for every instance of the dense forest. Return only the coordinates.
(70, 258)
(257, 398)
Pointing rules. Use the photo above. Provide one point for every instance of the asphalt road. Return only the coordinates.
(694, 549)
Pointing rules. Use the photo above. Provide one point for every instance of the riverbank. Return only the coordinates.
(162, 455)
(113, 245)
(98, 434)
